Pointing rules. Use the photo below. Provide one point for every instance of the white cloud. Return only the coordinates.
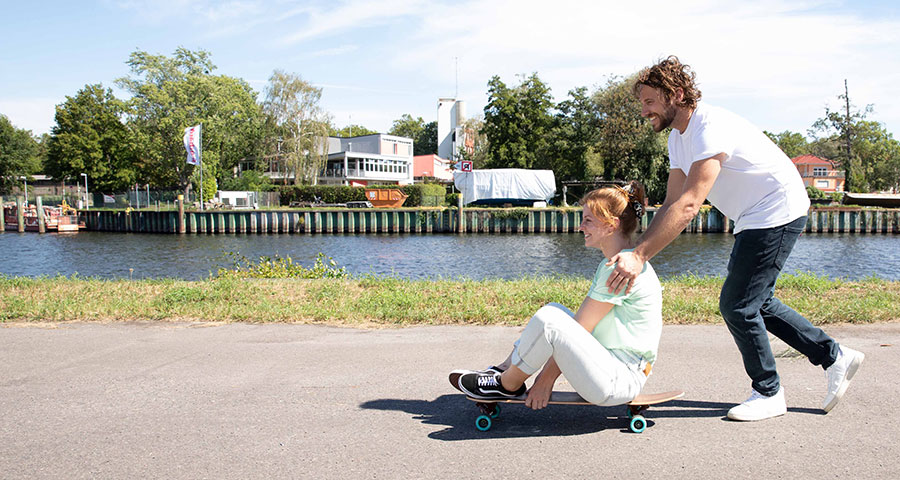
(333, 52)
(329, 20)
(776, 61)
(771, 52)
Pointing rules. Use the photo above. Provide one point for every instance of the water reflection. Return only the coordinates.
(110, 255)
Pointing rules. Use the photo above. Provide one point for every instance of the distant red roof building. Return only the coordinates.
(820, 173)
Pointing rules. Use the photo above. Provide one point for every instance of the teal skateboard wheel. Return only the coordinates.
(638, 424)
(483, 423)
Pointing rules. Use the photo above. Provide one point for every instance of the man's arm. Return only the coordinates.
(684, 196)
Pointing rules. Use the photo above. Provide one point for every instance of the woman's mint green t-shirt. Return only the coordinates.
(635, 322)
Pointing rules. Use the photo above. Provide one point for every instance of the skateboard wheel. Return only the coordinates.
(496, 411)
(638, 424)
(483, 423)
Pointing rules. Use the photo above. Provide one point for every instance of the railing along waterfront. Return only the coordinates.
(447, 220)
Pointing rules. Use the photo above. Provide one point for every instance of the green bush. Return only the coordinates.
(814, 193)
(429, 195)
(279, 267)
(452, 199)
(327, 193)
(433, 195)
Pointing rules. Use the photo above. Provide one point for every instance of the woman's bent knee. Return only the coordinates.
(552, 313)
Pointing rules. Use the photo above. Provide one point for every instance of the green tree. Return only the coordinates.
(171, 94)
(251, 180)
(872, 161)
(19, 155)
(292, 108)
(349, 131)
(876, 157)
(518, 123)
(90, 138)
(407, 126)
(424, 135)
(791, 143)
(835, 132)
(43, 142)
(576, 131)
(479, 155)
(628, 148)
(426, 143)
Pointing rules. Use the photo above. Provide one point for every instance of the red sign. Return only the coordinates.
(465, 166)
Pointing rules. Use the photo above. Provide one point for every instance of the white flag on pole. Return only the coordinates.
(192, 144)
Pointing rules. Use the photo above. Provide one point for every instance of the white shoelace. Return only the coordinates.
(487, 381)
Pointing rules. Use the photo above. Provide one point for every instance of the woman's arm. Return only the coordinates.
(591, 312)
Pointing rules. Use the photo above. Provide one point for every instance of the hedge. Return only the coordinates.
(420, 195)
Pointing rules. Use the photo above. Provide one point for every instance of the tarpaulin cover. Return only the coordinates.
(506, 184)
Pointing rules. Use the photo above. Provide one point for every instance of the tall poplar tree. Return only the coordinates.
(298, 125)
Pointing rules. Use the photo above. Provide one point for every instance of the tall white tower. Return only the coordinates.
(450, 117)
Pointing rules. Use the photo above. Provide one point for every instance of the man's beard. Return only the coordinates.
(666, 119)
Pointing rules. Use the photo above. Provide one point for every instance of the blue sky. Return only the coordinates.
(777, 63)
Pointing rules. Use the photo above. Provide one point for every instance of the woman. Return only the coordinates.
(605, 350)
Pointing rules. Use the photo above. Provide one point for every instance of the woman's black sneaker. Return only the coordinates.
(487, 386)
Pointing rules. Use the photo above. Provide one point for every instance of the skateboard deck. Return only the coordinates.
(490, 409)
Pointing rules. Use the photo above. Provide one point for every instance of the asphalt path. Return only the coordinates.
(162, 400)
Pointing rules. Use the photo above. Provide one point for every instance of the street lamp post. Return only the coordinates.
(87, 205)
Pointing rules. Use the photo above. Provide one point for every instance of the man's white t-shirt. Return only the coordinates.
(758, 186)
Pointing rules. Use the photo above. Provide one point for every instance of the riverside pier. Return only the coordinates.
(441, 220)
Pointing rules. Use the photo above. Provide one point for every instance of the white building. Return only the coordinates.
(369, 160)
(451, 133)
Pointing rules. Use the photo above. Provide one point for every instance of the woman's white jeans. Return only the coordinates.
(600, 376)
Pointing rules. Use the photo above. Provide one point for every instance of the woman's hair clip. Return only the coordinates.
(638, 209)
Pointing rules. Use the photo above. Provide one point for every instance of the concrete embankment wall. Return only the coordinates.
(546, 220)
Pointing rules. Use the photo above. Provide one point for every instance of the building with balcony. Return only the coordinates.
(820, 173)
(377, 159)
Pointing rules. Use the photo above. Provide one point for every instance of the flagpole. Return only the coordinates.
(200, 157)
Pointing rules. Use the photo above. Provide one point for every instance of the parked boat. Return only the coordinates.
(888, 200)
(56, 219)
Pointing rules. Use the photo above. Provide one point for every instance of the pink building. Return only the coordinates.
(432, 166)
(820, 173)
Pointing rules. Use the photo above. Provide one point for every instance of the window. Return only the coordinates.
(822, 184)
(820, 171)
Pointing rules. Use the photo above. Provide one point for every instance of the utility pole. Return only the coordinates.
(847, 182)
(456, 66)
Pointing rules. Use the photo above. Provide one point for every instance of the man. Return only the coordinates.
(715, 154)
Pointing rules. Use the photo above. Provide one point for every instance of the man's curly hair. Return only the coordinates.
(667, 76)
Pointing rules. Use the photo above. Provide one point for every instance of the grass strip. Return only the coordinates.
(376, 301)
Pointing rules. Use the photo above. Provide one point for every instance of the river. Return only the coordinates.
(508, 256)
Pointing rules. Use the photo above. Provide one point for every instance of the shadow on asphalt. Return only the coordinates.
(458, 415)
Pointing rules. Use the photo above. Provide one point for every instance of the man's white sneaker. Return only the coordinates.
(839, 375)
(759, 407)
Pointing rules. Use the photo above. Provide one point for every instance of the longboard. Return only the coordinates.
(490, 409)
